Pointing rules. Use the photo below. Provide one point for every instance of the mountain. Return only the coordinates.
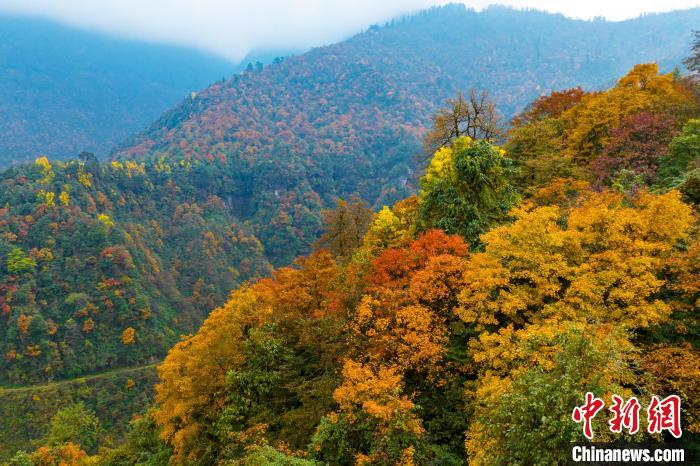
(105, 264)
(64, 90)
(404, 340)
(348, 117)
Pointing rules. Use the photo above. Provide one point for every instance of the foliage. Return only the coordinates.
(462, 327)
(26, 413)
(345, 227)
(18, 262)
(680, 167)
(600, 136)
(270, 456)
(431, 340)
(549, 106)
(529, 423)
(68, 454)
(636, 145)
(111, 278)
(349, 118)
(410, 347)
(142, 446)
(75, 424)
(467, 189)
(266, 359)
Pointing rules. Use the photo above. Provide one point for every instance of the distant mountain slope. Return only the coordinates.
(106, 265)
(348, 117)
(64, 90)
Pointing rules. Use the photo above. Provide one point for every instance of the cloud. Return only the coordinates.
(227, 28)
(234, 27)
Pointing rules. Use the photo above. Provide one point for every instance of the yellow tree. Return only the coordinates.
(591, 267)
(194, 373)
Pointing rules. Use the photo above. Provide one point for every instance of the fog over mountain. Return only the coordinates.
(233, 29)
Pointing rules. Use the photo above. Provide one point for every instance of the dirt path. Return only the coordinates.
(123, 370)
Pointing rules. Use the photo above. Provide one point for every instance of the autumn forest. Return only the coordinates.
(323, 261)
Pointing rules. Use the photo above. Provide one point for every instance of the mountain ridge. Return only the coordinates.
(65, 90)
(330, 119)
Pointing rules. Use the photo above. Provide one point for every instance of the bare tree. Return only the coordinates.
(476, 117)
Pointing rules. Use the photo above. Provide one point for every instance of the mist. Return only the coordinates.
(231, 29)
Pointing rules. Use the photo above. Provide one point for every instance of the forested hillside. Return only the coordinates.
(349, 117)
(402, 328)
(63, 90)
(464, 324)
(106, 265)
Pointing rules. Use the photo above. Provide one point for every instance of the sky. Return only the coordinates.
(232, 28)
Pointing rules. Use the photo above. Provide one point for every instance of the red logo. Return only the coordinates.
(665, 415)
(624, 415)
(587, 412)
(661, 415)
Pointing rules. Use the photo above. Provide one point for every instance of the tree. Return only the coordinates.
(466, 189)
(141, 446)
(375, 424)
(693, 61)
(599, 261)
(526, 418)
(194, 372)
(621, 131)
(585, 274)
(129, 336)
(267, 357)
(475, 117)
(589, 124)
(683, 157)
(538, 150)
(75, 424)
(90, 164)
(636, 145)
(549, 106)
(269, 456)
(18, 262)
(346, 225)
(68, 454)
(393, 227)
(680, 378)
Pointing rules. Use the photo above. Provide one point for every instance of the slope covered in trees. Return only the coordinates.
(106, 265)
(114, 397)
(348, 118)
(63, 90)
(638, 133)
(422, 348)
(405, 328)
(459, 331)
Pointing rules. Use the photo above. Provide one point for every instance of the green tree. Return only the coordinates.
(143, 446)
(271, 457)
(681, 168)
(21, 458)
(530, 423)
(18, 262)
(538, 151)
(76, 424)
(466, 189)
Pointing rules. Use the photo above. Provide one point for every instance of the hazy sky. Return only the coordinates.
(234, 27)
